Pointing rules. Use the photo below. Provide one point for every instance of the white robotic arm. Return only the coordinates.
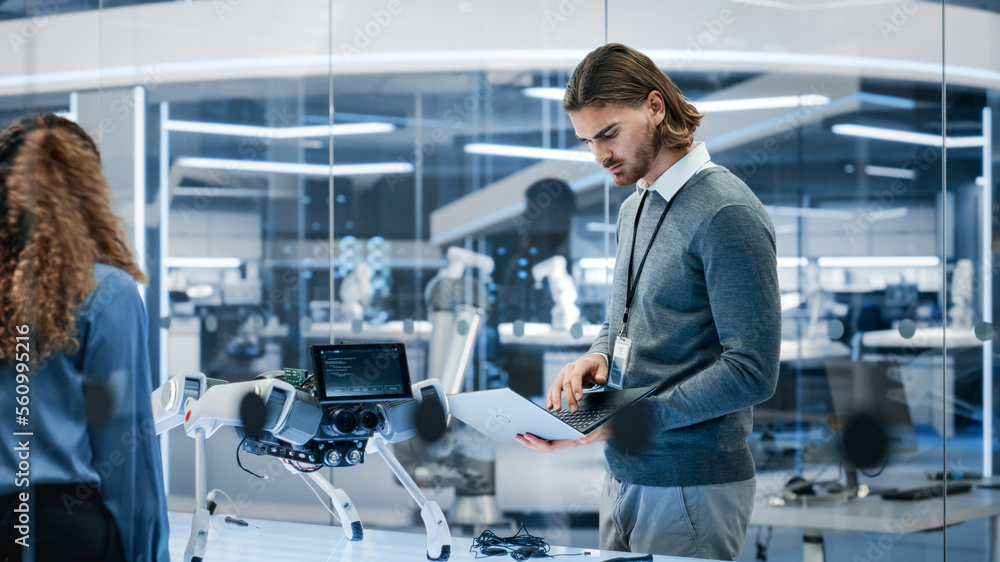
(460, 258)
(565, 313)
(356, 292)
(453, 305)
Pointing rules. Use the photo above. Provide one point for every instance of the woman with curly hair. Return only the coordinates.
(81, 478)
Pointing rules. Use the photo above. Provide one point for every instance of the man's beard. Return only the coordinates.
(643, 159)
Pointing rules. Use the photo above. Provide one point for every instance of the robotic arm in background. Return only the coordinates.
(457, 303)
(565, 313)
(457, 309)
(459, 259)
(356, 292)
(292, 425)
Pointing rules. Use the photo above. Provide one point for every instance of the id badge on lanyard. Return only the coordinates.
(619, 363)
(623, 344)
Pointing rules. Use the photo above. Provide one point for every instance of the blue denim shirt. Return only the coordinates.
(118, 449)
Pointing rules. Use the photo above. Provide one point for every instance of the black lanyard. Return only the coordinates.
(632, 284)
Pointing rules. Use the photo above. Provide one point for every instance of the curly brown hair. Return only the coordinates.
(56, 223)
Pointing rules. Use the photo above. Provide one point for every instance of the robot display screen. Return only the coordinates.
(360, 372)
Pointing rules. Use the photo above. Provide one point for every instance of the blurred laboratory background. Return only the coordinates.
(312, 171)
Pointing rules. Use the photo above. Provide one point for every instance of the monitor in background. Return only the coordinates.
(873, 418)
(360, 372)
(874, 388)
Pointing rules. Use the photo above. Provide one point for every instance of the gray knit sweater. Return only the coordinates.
(705, 324)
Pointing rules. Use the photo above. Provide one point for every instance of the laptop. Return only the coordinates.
(502, 413)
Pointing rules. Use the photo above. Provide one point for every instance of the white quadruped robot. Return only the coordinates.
(358, 402)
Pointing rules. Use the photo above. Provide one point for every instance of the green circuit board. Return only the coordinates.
(295, 377)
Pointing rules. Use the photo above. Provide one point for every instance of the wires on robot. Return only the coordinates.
(301, 467)
(240, 463)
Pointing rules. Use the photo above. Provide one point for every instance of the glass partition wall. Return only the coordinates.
(295, 173)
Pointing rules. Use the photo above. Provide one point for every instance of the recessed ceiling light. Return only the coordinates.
(277, 132)
(240, 166)
(911, 137)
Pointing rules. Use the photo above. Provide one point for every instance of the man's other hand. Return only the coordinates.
(535, 442)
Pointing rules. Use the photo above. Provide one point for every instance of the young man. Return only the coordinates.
(694, 297)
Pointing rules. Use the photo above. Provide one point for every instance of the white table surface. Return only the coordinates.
(806, 350)
(281, 540)
(536, 333)
(395, 331)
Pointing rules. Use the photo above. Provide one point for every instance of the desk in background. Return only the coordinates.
(281, 540)
(923, 339)
(875, 515)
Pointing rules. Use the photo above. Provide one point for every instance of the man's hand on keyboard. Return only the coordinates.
(602, 433)
(589, 369)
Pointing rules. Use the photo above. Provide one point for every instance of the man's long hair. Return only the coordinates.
(56, 223)
(615, 74)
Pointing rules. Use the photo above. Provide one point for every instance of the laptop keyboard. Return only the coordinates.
(581, 420)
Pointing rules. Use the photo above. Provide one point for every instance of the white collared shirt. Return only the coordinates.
(671, 181)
